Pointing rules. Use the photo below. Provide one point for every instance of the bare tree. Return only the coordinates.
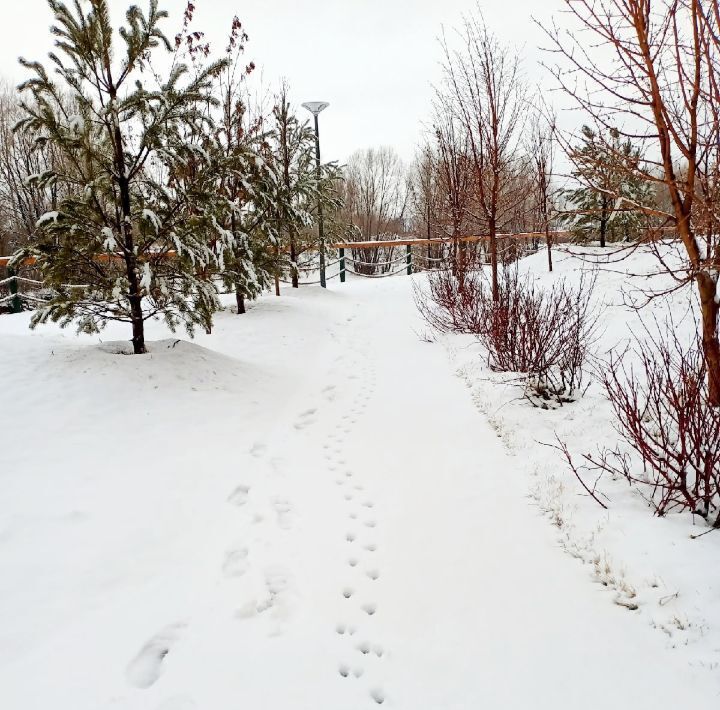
(455, 175)
(541, 150)
(650, 68)
(376, 198)
(484, 89)
(22, 202)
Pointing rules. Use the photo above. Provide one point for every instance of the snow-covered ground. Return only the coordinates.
(308, 510)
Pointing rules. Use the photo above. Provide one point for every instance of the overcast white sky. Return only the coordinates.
(373, 60)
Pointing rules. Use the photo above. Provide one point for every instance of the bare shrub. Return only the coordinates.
(665, 417)
(544, 333)
(453, 301)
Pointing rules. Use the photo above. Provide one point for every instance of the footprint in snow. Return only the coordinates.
(306, 419)
(236, 562)
(257, 449)
(283, 509)
(239, 496)
(144, 670)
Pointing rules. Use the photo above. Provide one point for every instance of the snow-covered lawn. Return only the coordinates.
(308, 510)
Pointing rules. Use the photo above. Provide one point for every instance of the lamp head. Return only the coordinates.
(315, 107)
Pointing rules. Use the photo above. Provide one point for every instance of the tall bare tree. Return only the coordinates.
(651, 68)
(485, 90)
(541, 150)
(376, 197)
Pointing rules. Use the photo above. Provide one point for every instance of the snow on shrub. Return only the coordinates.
(543, 333)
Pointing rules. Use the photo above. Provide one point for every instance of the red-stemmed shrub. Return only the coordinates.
(544, 333)
(671, 433)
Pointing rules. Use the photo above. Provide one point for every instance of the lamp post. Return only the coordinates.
(315, 107)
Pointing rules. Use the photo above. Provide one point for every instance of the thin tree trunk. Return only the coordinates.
(548, 241)
(494, 262)
(134, 295)
(711, 344)
(293, 259)
(603, 223)
(240, 300)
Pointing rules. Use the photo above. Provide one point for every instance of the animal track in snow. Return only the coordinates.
(370, 608)
(377, 695)
(344, 670)
(239, 496)
(371, 547)
(350, 536)
(353, 561)
(348, 592)
(364, 647)
(370, 523)
(373, 573)
(144, 670)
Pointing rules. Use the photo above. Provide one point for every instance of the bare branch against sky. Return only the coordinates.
(373, 60)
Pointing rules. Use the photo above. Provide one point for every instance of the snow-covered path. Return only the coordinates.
(362, 539)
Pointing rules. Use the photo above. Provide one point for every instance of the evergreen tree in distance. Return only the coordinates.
(135, 236)
(609, 188)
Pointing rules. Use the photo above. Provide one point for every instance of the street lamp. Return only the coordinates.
(315, 107)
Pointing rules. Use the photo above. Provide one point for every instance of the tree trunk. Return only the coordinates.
(277, 269)
(240, 300)
(134, 295)
(711, 344)
(494, 262)
(603, 223)
(293, 260)
(548, 241)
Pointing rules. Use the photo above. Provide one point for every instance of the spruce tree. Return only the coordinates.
(135, 236)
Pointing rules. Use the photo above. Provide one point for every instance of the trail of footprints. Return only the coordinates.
(360, 652)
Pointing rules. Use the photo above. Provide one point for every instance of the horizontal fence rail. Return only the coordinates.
(351, 258)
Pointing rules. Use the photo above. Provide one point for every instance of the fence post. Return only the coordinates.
(342, 265)
(15, 303)
(409, 259)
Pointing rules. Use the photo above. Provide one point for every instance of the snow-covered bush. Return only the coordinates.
(670, 431)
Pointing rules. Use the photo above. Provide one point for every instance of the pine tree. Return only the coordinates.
(246, 182)
(298, 188)
(609, 187)
(134, 232)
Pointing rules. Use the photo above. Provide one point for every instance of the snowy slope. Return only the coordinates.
(642, 560)
(305, 509)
